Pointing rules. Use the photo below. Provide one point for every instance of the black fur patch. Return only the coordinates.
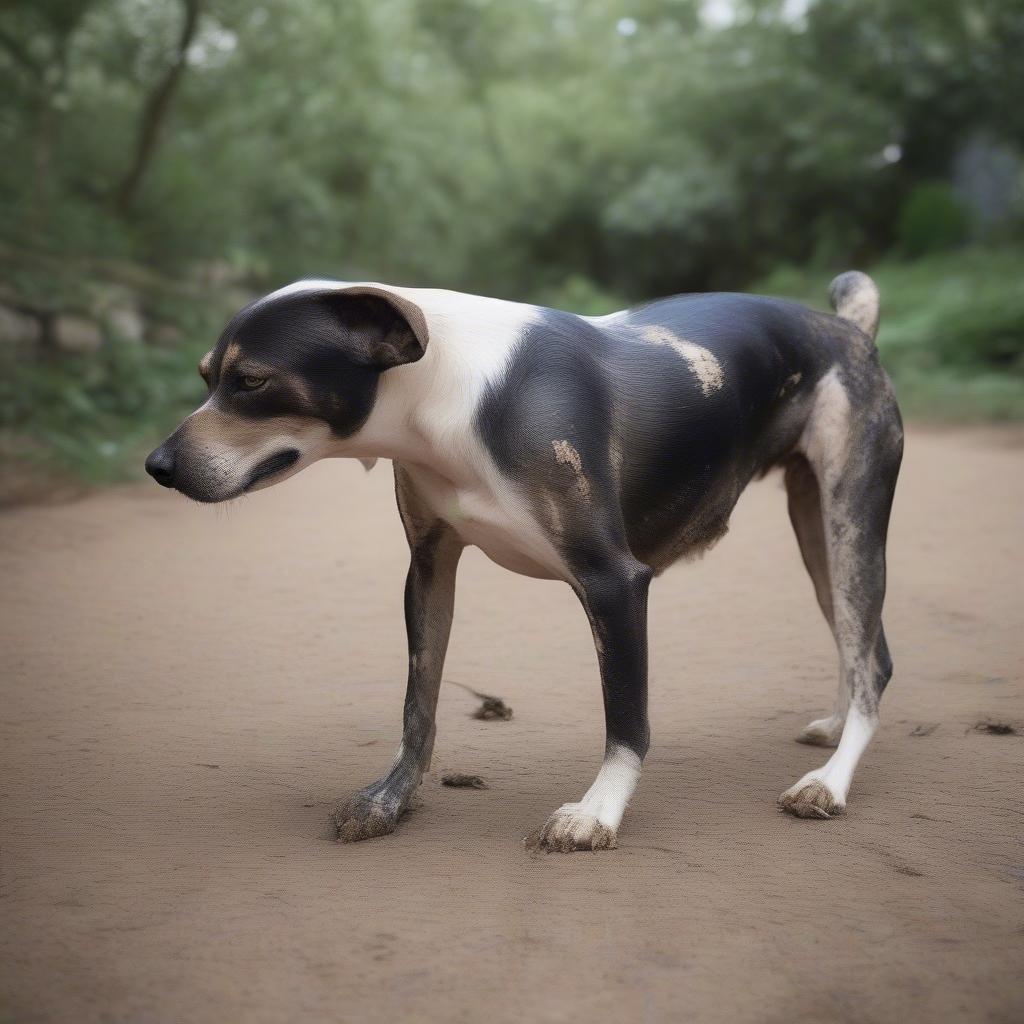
(668, 451)
(325, 351)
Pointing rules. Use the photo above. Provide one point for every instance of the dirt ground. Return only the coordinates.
(187, 690)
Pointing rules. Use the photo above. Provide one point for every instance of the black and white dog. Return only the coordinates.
(594, 450)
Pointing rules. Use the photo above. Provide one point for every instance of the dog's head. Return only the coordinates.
(290, 377)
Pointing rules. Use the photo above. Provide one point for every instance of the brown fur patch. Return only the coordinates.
(206, 366)
(706, 368)
(567, 455)
(231, 355)
(211, 426)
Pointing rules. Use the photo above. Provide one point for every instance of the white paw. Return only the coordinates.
(569, 829)
(824, 732)
(813, 797)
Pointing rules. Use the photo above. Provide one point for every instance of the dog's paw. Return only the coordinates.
(365, 817)
(824, 732)
(811, 797)
(569, 829)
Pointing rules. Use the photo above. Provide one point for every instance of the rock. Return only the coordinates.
(19, 328)
(126, 323)
(76, 334)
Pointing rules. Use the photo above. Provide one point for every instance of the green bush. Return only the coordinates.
(988, 333)
(932, 220)
(96, 414)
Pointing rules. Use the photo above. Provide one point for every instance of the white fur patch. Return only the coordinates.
(592, 824)
(424, 410)
(826, 443)
(607, 798)
(826, 437)
(836, 775)
(857, 733)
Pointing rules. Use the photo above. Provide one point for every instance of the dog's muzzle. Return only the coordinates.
(271, 466)
(202, 478)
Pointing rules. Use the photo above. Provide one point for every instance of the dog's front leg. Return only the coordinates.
(429, 601)
(614, 593)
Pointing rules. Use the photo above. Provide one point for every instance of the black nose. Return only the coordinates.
(160, 465)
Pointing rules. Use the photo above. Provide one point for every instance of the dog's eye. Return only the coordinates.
(251, 382)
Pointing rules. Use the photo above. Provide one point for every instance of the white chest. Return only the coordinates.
(491, 516)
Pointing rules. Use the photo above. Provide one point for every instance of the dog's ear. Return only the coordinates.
(382, 328)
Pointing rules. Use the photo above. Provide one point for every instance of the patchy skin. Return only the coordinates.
(704, 365)
(854, 460)
(566, 455)
(790, 383)
(595, 451)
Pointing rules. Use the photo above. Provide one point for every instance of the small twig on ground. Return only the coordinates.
(491, 708)
(461, 781)
(996, 728)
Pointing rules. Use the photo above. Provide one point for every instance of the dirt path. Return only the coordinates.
(187, 690)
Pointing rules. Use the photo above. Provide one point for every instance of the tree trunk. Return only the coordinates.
(45, 142)
(154, 112)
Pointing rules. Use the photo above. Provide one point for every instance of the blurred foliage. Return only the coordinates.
(96, 414)
(932, 219)
(492, 145)
(582, 153)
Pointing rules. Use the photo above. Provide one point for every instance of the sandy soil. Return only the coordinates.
(187, 690)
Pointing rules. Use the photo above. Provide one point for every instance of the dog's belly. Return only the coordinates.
(505, 548)
(493, 520)
(666, 535)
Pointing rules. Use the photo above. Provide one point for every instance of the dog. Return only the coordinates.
(592, 450)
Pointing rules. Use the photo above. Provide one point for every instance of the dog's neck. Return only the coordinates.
(424, 411)
(410, 414)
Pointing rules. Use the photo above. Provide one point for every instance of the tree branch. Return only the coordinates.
(155, 111)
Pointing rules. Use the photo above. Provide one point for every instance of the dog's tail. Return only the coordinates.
(854, 297)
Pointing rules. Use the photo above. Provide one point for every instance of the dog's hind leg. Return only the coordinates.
(856, 459)
(429, 602)
(805, 513)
